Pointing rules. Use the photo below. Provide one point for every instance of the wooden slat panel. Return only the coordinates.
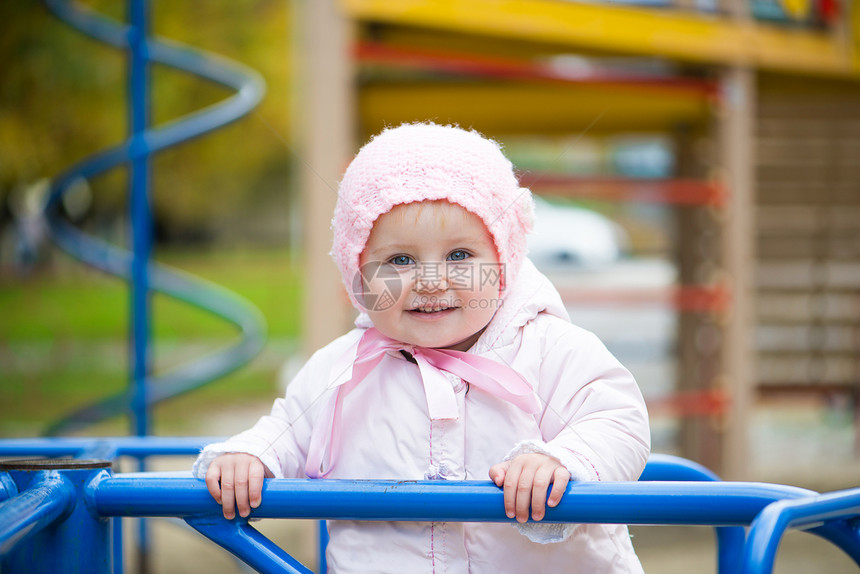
(802, 370)
(835, 308)
(809, 274)
(808, 338)
(808, 237)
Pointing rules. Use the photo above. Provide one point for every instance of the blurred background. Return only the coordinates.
(698, 177)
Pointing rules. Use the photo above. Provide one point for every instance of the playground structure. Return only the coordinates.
(44, 500)
(69, 504)
(760, 102)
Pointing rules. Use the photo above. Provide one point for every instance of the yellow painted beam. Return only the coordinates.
(684, 36)
(518, 108)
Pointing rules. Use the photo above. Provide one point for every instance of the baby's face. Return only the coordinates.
(430, 275)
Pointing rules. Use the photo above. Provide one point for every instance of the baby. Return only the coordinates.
(463, 364)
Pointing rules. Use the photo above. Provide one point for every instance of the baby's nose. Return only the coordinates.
(431, 277)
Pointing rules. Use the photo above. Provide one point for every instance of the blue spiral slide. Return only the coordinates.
(136, 264)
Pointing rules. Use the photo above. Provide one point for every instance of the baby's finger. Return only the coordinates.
(524, 493)
(560, 480)
(240, 484)
(497, 473)
(512, 479)
(227, 493)
(213, 482)
(540, 484)
(256, 474)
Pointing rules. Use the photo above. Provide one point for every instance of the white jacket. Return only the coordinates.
(593, 420)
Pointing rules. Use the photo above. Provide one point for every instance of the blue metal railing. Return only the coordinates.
(136, 266)
(671, 491)
(45, 500)
(838, 511)
(51, 505)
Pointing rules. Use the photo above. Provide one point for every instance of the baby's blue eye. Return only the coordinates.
(458, 255)
(401, 260)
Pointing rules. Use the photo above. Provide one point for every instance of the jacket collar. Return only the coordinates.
(531, 293)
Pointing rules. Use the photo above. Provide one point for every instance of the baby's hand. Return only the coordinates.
(236, 477)
(526, 479)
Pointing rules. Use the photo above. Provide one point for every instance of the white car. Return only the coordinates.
(566, 236)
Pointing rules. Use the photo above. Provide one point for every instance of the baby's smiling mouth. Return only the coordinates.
(431, 310)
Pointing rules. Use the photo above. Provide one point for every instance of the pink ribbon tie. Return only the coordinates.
(353, 366)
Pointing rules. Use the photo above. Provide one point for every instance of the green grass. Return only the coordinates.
(63, 338)
(90, 305)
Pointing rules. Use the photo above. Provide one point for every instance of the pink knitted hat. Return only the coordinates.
(426, 162)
